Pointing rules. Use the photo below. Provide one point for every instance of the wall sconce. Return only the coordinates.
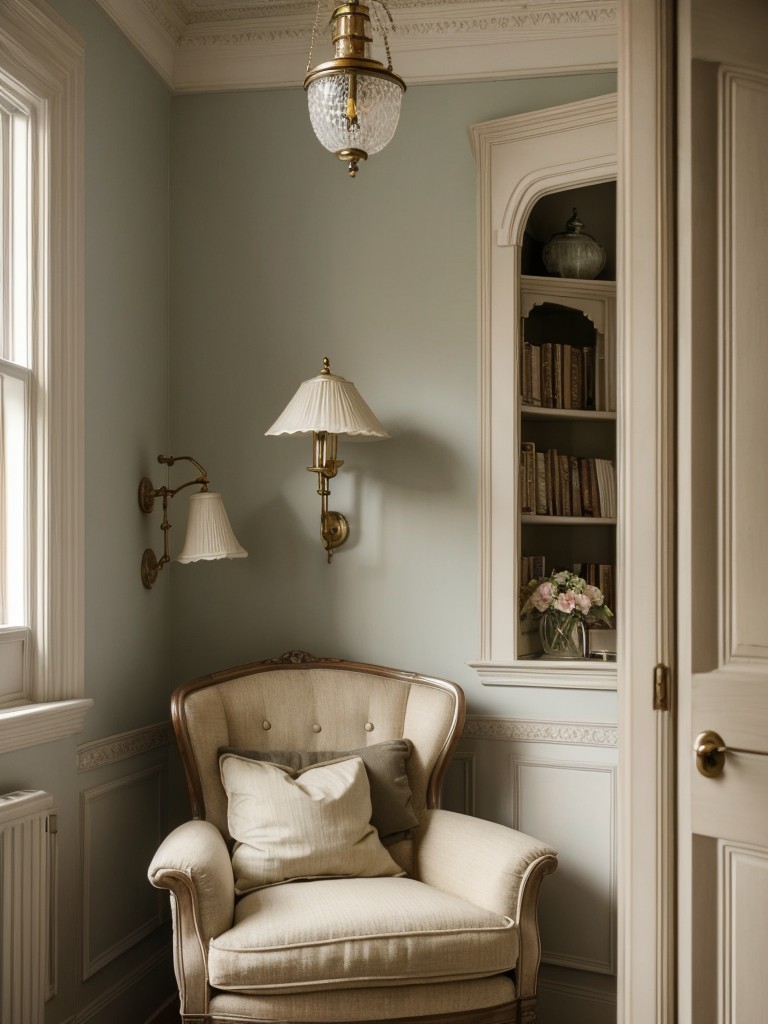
(325, 407)
(209, 534)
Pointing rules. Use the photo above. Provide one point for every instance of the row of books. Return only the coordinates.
(534, 567)
(556, 375)
(565, 485)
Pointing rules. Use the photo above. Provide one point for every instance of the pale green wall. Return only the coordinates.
(126, 425)
(278, 259)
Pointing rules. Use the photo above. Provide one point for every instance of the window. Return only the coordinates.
(41, 376)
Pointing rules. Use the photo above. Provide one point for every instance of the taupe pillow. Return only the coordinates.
(392, 810)
(312, 825)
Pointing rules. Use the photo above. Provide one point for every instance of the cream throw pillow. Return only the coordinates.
(310, 824)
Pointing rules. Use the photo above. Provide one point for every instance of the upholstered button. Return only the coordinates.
(266, 725)
(369, 726)
(317, 728)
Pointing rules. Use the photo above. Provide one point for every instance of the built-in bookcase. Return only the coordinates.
(533, 169)
(567, 429)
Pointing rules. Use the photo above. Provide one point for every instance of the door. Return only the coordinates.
(722, 95)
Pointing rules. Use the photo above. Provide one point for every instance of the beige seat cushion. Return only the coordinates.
(348, 933)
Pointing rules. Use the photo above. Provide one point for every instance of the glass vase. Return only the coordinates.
(563, 635)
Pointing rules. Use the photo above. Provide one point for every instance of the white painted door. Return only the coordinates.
(723, 508)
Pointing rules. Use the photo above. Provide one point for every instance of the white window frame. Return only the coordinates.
(42, 56)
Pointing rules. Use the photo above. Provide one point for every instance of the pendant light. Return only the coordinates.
(354, 101)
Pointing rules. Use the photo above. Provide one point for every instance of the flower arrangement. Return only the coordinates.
(564, 603)
(565, 593)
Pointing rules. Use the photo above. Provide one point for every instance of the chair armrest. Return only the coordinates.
(193, 862)
(483, 862)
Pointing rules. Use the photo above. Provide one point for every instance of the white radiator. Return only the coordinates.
(25, 857)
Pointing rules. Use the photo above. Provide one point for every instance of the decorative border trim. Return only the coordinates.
(122, 745)
(201, 48)
(525, 730)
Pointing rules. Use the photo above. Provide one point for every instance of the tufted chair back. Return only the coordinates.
(299, 702)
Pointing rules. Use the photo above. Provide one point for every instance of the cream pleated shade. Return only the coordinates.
(209, 534)
(331, 404)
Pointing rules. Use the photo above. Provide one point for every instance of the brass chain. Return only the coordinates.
(314, 33)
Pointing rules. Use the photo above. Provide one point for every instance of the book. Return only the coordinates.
(546, 374)
(595, 491)
(526, 387)
(567, 363)
(527, 477)
(577, 380)
(541, 484)
(535, 374)
(565, 484)
(575, 487)
(585, 485)
(557, 376)
(553, 497)
(588, 361)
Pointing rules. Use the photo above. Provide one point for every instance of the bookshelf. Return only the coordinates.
(532, 170)
(566, 417)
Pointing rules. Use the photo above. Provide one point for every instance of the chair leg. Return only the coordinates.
(526, 1011)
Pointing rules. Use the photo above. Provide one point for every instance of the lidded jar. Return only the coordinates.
(574, 253)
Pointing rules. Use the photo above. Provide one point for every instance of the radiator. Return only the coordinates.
(25, 859)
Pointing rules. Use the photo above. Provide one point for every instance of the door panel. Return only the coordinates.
(723, 307)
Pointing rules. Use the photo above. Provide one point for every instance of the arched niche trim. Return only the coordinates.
(534, 186)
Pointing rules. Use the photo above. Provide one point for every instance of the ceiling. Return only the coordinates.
(206, 45)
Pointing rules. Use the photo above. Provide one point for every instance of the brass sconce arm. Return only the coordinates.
(209, 535)
(334, 527)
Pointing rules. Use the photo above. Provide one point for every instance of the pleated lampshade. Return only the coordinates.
(209, 535)
(328, 403)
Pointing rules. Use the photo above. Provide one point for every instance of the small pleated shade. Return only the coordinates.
(331, 404)
(209, 534)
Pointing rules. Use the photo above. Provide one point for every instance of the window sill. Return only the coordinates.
(31, 724)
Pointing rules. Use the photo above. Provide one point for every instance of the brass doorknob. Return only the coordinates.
(710, 750)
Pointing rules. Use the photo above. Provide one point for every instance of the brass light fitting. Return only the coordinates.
(354, 101)
(325, 407)
(209, 535)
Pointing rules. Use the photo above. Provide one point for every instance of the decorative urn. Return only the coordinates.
(574, 253)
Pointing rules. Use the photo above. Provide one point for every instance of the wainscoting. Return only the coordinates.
(125, 949)
(556, 781)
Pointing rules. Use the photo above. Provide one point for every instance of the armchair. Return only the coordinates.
(443, 927)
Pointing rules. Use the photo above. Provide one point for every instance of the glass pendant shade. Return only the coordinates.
(378, 111)
(209, 535)
(328, 403)
(354, 101)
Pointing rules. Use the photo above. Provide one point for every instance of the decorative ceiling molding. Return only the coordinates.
(213, 45)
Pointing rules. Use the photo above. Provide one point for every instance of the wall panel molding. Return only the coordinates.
(95, 1011)
(113, 817)
(123, 745)
(552, 799)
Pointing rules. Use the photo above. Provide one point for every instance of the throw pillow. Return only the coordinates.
(392, 810)
(313, 825)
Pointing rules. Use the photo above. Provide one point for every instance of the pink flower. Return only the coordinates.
(594, 595)
(566, 602)
(542, 596)
(583, 603)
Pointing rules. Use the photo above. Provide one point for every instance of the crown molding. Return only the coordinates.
(212, 45)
